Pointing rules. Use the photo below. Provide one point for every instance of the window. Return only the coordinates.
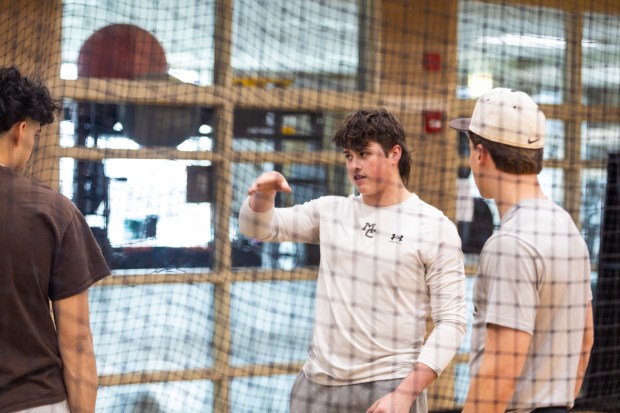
(598, 139)
(514, 46)
(296, 43)
(143, 211)
(293, 134)
(600, 73)
(119, 39)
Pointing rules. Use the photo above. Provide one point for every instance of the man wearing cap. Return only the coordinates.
(532, 330)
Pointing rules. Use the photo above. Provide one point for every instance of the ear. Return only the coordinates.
(17, 131)
(481, 154)
(395, 153)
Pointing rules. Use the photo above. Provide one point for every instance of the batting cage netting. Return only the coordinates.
(172, 109)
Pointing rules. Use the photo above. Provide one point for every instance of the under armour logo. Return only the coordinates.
(370, 229)
(397, 238)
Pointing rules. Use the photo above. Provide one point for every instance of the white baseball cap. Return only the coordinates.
(506, 116)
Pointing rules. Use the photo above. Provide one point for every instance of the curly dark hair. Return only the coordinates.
(21, 98)
(375, 125)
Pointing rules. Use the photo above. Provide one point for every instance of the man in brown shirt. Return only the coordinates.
(47, 252)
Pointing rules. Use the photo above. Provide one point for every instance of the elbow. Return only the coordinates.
(249, 227)
(253, 233)
(459, 328)
(462, 327)
(84, 344)
(253, 226)
(243, 228)
(77, 344)
(458, 323)
(455, 328)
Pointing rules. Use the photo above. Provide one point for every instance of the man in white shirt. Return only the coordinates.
(532, 330)
(387, 260)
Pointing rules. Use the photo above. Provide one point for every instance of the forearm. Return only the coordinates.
(446, 281)
(586, 348)
(442, 345)
(75, 344)
(581, 372)
(420, 377)
(492, 387)
(401, 399)
(489, 392)
(80, 374)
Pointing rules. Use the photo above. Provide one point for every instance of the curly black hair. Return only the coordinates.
(21, 98)
(367, 125)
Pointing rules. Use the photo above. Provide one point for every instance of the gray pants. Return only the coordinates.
(309, 397)
(61, 407)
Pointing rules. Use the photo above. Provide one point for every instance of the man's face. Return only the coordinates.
(370, 170)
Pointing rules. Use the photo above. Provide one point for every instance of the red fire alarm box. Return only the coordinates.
(433, 121)
(432, 62)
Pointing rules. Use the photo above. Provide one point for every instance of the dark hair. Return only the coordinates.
(374, 125)
(22, 98)
(511, 159)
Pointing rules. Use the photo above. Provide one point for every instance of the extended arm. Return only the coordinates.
(76, 351)
(259, 219)
(503, 359)
(586, 347)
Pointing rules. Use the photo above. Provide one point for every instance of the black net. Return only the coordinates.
(171, 109)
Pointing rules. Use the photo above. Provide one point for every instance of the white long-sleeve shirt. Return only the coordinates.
(382, 269)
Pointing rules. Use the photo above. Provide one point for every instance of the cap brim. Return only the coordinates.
(460, 124)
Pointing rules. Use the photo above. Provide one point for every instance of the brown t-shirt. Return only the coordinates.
(47, 251)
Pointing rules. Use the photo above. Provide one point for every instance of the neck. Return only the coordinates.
(393, 195)
(512, 189)
(7, 151)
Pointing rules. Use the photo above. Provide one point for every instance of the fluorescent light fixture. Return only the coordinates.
(524, 40)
